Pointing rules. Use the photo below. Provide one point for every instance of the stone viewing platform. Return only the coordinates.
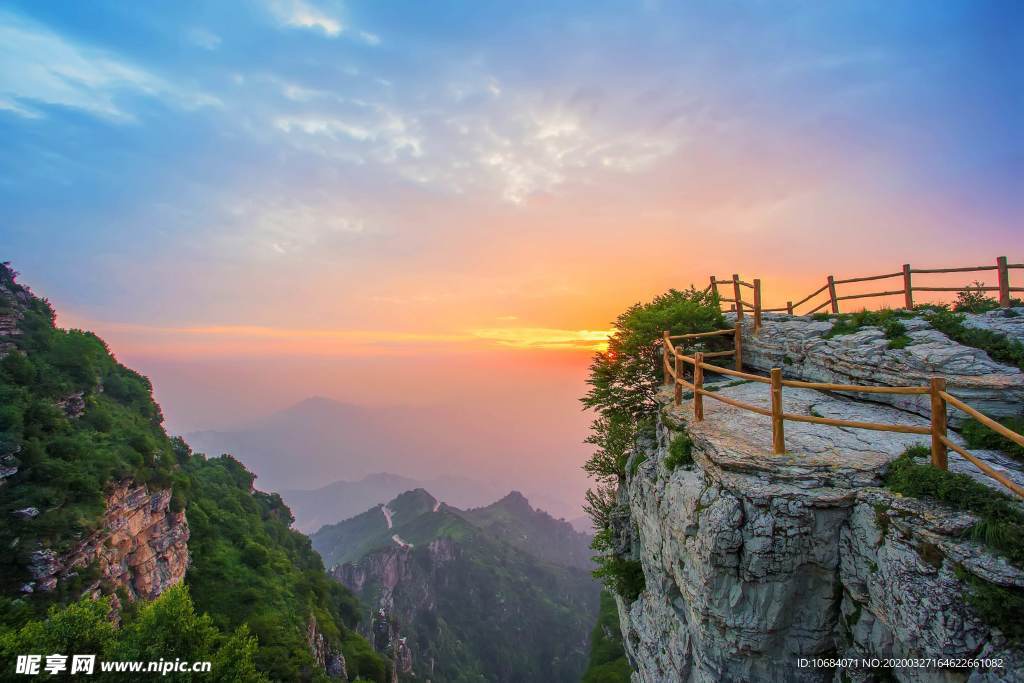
(740, 441)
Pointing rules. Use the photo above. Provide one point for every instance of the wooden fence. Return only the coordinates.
(736, 287)
(674, 372)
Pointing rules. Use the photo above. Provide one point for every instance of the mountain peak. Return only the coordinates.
(515, 501)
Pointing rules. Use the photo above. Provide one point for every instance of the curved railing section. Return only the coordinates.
(674, 363)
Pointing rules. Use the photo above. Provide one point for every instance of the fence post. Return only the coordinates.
(757, 305)
(938, 423)
(698, 385)
(664, 355)
(832, 294)
(714, 286)
(1004, 282)
(789, 307)
(778, 430)
(739, 297)
(678, 394)
(738, 344)
(908, 289)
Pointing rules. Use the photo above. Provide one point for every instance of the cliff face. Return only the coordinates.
(753, 561)
(141, 547)
(327, 659)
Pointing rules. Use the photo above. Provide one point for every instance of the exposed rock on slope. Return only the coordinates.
(796, 343)
(754, 560)
(141, 547)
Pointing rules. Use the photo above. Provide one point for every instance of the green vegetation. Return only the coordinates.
(624, 576)
(167, 628)
(64, 462)
(973, 299)
(1001, 521)
(608, 663)
(997, 345)
(248, 568)
(1000, 526)
(680, 452)
(1000, 606)
(978, 435)
(623, 383)
(887, 320)
(638, 460)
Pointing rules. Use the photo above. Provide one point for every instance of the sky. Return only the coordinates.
(412, 203)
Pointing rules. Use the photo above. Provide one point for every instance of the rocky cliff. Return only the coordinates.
(753, 561)
(140, 549)
(800, 346)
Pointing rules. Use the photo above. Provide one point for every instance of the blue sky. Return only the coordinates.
(255, 202)
(302, 136)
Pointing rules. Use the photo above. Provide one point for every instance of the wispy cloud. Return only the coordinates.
(300, 14)
(41, 67)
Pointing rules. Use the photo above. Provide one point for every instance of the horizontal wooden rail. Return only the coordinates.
(733, 402)
(969, 269)
(983, 419)
(984, 467)
(866, 279)
(696, 335)
(719, 354)
(735, 373)
(953, 289)
(871, 294)
(874, 426)
(863, 389)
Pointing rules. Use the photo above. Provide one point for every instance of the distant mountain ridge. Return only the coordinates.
(314, 508)
(356, 447)
(501, 592)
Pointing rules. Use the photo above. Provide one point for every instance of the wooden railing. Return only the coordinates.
(674, 373)
(736, 285)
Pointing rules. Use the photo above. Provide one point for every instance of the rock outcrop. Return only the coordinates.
(405, 589)
(797, 344)
(327, 659)
(753, 561)
(141, 547)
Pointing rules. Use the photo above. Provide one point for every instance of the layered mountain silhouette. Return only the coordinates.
(355, 447)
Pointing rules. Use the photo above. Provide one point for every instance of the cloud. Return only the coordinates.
(39, 66)
(299, 14)
(288, 226)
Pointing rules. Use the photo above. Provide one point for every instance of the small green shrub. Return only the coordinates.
(997, 345)
(1000, 523)
(680, 452)
(973, 299)
(887, 320)
(625, 577)
(978, 435)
